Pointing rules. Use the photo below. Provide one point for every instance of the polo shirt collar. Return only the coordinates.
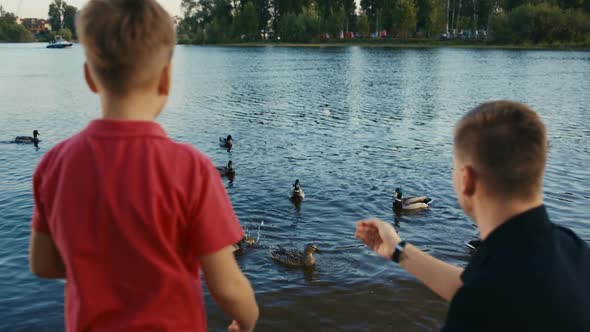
(108, 127)
(517, 230)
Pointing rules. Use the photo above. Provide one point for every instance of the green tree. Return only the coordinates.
(287, 27)
(65, 33)
(309, 19)
(303, 27)
(349, 7)
(427, 16)
(405, 18)
(69, 19)
(262, 8)
(485, 10)
(372, 8)
(363, 25)
(385, 16)
(250, 21)
(206, 21)
(56, 14)
(499, 32)
(542, 23)
(335, 23)
(10, 31)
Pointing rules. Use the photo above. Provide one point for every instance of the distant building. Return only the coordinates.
(35, 25)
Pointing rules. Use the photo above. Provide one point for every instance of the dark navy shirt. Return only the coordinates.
(528, 275)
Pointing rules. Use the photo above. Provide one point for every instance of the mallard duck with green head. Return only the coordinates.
(28, 139)
(401, 203)
(296, 258)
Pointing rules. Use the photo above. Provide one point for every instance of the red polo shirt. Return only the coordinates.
(130, 212)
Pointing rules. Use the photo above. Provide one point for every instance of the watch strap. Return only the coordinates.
(399, 249)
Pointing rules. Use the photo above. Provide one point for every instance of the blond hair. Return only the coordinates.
(127, 42)
(506, 142)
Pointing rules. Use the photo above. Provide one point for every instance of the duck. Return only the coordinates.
(245, 242)
(327, 111)
(296, 258)
(227, 142)
(474, 244)
(296, 191)
(28, 139)
(228, 170)
(409, 203)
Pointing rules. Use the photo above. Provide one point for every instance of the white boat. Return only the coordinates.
(59, 43)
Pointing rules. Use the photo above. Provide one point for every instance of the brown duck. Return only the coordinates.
(296, 258)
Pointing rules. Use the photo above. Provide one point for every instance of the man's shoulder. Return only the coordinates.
(568, 237)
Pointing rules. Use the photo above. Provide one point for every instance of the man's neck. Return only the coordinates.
(136, 107)
(491, 214)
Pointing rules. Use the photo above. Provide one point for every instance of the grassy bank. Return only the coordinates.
(416, 43)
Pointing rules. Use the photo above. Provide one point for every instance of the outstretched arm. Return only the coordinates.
(442, 278)
(230, 289)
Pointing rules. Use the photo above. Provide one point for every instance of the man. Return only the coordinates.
(528, 274)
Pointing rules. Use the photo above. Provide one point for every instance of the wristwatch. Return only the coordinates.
(399, 249)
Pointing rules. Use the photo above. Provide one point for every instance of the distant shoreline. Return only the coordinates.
(412, 44)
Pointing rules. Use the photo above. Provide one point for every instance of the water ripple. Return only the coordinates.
(353, 124)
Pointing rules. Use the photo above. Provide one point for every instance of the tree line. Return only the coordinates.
(503, 21)
(62, 18)
(10, 31)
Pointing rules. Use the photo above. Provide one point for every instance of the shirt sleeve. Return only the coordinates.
(475, 308)
(213, 224)
(39, 221)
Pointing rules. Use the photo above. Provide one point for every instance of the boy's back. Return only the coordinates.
(127, 216)
(130, 211)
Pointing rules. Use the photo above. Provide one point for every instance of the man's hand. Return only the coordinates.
(443, 278)
(235, 327)
(380, 236)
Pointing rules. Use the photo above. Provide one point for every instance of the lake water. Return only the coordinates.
(352, 123)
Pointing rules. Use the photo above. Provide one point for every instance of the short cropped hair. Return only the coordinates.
(127, 42)
(506, 142)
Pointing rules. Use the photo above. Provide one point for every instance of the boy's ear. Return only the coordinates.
(89, 80)
(165, 80)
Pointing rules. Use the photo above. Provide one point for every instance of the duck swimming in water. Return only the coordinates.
(245, 242)
(227, 142)
(296, 258)
(409, 203)
(28, 139)
(228, 170)
(297, 192)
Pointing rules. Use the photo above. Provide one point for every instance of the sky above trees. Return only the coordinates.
(38, 8)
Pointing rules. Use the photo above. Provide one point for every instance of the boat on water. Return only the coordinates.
(59, 42)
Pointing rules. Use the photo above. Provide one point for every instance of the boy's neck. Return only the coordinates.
(133, 107)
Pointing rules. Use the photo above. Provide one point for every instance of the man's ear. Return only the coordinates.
(89, 80)
(469, 181)
(165, 80)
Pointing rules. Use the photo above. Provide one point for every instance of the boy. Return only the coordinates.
(122, 212)
(528, 274)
